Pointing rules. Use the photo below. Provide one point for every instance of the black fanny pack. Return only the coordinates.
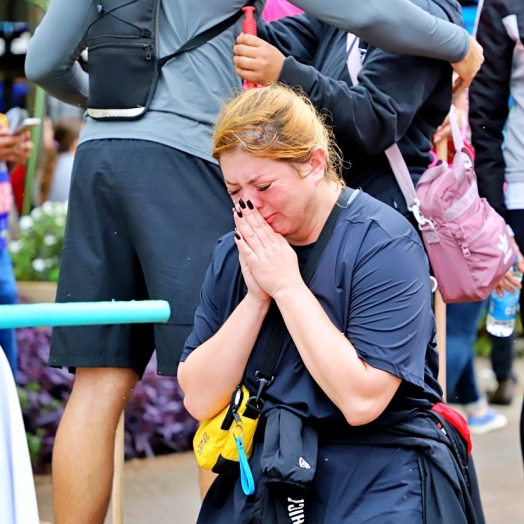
(289, 463)
(124, 66)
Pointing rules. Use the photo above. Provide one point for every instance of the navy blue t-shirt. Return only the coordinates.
(373, 282)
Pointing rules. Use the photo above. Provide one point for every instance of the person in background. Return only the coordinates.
(14, 150)
(497, 130)
(55, 178)
(137, 195)
(502, 348)
(462, 320)
(462, 324)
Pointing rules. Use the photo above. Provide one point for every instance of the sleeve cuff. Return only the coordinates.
(294, 73)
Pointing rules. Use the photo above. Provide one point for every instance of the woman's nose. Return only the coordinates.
(247, 194)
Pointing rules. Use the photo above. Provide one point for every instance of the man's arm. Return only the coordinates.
(395, 25)
(378, 111)
(399, 26)
(52, 55)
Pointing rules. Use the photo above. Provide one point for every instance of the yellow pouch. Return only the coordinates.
(214, 441)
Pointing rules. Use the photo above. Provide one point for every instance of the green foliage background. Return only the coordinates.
(36, 253)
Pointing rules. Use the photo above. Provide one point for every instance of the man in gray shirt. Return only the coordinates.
(147, 204)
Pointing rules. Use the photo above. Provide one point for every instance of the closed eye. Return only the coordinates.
(263, 188)
(233, 193)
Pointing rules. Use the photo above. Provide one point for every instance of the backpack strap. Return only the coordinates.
(204, 36)
(401, 172)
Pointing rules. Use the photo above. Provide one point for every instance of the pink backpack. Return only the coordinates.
(466, 240)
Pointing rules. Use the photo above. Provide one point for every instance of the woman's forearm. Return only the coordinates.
(212, 371)
(359, 390)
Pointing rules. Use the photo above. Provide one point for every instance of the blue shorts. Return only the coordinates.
(143, 219)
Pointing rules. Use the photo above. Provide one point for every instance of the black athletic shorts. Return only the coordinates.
(143, 219)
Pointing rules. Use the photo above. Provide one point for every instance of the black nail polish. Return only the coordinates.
(239, 213)
(250, 204)
(242, 204)
(237, 236)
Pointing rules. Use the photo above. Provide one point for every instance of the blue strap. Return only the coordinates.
(246, 477)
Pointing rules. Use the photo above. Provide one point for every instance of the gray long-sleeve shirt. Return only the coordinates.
(193, 86)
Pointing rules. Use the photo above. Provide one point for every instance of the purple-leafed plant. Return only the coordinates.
(156, 421)
(43, 392)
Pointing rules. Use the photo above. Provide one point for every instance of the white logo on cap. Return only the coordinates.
(303, 464)
(504, 247)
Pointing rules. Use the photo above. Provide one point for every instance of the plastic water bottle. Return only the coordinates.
(502, 312)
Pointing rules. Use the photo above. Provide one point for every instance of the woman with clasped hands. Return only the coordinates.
(359, 365)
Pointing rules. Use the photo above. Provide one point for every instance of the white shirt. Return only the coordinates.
(514, 195)
(17, 489)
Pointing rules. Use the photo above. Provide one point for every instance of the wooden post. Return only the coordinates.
(439, 306)
(439, 309)
(117, 496)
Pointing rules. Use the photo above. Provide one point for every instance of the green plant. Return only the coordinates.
(483, 344)
(156, 421)
(36, 253)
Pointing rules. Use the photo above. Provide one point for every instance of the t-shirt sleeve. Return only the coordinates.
(391, 320)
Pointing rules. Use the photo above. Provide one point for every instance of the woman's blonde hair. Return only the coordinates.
(278, 123)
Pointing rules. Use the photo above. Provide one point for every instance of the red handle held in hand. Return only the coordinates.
(249, 27)
(249, 24)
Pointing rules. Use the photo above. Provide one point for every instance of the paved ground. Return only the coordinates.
(165, 490)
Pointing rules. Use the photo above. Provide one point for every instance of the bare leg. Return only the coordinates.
(84, 446)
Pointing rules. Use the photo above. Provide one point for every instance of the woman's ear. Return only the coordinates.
(317, 164)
